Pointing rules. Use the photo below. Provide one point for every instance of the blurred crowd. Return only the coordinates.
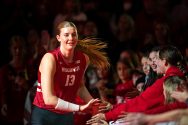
(133, 29)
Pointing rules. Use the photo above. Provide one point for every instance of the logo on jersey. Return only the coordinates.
(75, 69)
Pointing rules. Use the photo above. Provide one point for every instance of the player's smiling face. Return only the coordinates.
(68, 37)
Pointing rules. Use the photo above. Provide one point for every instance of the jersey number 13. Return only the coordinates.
(70, 80)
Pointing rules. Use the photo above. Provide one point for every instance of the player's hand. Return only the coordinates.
(89, 104)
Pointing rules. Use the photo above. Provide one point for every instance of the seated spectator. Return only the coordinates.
(125, 83)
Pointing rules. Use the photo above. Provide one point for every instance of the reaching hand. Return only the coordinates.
(133, 119)
(96, 118)
(89, 104)
(105, 106)
(101, 122)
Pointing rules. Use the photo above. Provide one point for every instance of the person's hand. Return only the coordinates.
(4, 110)
(101, 122)
(181, 96)
(96, 119)
(132, 119)
(89, 104)
(105, 106)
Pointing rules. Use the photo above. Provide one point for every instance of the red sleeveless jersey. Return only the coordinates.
(67, 79)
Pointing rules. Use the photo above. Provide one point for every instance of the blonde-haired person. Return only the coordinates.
(61, 76)
(172, 85)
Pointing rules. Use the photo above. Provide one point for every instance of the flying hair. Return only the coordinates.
(94, 48)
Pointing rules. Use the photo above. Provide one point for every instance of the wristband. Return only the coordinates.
(66, 106)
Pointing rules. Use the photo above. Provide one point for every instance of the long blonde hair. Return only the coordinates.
(93, 47)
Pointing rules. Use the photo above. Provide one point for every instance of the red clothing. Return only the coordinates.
(67, 79)
(151, 98)
(122, 89)
(167, 107)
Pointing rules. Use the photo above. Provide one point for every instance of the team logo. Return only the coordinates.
(75, 69)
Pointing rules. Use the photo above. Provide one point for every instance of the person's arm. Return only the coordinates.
(142, 119)
(48, 68)
(84, 93)
(166, 107)
(174, 115)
